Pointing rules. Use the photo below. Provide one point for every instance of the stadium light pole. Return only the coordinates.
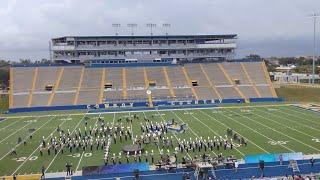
(166, 26)
(314, 16)
(116, 26)
(151, 26)
(132, 26)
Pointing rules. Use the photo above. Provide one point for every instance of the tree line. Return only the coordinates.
(303, 64)
(5, 65)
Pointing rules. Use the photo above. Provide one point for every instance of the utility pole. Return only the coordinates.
(314, 16)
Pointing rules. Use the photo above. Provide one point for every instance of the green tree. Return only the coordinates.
(45, 61)
(25, 61)
(4, 73)
(254, 57)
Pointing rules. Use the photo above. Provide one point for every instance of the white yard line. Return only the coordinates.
(191, 130)
(159, 141)
(114, 117)
(84, 151)
(30, 134)
(79, 161)
(271, 114)
(213, 131)
(174, 134)
(54, 158)
(256, 131)
(15, 132)
(234, 131)
(36, 149)
(299, 110)
(34, 116)
(131, 128)
(277, 131)
(19, 119)
(304, 119)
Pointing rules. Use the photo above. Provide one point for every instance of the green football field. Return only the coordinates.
(266, 128)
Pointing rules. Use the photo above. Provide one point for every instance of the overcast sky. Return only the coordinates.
(265, 27)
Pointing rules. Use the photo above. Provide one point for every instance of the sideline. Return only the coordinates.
(149, 110)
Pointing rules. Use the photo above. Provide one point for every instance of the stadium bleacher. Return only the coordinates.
(80, 85)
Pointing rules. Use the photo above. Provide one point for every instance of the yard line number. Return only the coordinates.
(33, 158)
(275, 143)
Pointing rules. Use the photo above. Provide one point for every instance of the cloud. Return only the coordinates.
(263, 26)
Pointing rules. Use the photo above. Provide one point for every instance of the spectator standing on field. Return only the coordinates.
(312, 162)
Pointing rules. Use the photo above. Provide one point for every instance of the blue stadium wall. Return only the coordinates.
(140, 64)
(143, 105)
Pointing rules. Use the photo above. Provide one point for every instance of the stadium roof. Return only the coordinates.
(223, 36)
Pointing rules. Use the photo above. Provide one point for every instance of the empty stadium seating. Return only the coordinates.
(80, 85)
(216, 74)
(206, 93)
(70, 78)
(22, 79)
(135, 78)
(248, 91)
(20, 100)
(235, 72)
(63, 98)
(265, 91)
(255, 71)
(161, 94)
(156, 74)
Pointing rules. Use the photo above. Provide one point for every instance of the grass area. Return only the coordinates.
(267, 129)
(299, 94)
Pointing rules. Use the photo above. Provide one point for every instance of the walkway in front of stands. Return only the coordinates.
(245, 171)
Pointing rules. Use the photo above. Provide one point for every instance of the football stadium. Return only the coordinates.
(153, 107)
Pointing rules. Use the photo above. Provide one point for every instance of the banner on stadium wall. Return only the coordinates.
(181, 103)
(142, 104)
(108, 105)
(117, 105)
